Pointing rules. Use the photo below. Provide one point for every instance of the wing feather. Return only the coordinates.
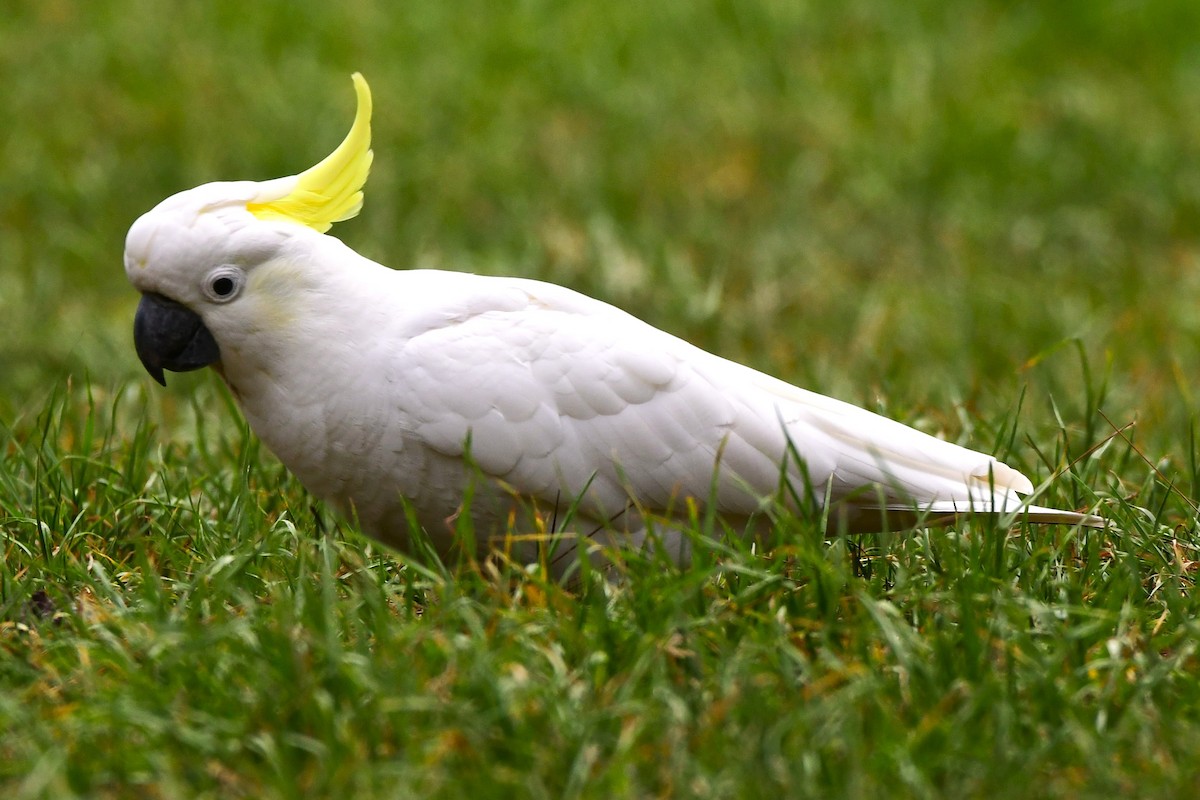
(558, 391)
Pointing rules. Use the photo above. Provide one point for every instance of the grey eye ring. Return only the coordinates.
(223, 284)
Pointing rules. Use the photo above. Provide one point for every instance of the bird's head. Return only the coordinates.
(199, 254)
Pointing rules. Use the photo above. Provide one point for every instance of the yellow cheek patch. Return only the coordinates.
(332, 190)
(279, 290)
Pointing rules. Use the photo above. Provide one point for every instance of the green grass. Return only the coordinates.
(982, 219)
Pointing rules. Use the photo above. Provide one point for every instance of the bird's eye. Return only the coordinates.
(223, 284)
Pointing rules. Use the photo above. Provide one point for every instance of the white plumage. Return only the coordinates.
(371, 384)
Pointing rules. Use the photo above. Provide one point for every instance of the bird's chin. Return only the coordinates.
(169, 335)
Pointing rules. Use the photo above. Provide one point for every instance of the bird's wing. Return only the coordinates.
(559, 393)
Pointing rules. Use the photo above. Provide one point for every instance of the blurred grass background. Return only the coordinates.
(952, 213)
(908, 201)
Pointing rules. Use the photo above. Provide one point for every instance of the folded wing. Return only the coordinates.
(565, 396)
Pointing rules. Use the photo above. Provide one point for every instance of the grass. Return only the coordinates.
(982, 220)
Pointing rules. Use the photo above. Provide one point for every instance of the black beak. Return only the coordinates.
(168, 335)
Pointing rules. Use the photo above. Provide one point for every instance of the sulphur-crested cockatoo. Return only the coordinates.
(391, 393)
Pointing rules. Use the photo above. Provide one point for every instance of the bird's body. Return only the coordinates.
(389, 392)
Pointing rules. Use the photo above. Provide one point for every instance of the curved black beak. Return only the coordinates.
(168, 335)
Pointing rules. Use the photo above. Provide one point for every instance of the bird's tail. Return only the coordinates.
(870, 517)
(855, 518)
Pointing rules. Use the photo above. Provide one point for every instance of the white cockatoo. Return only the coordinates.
(396, 394)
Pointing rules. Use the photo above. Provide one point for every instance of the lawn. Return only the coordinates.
(979, 218)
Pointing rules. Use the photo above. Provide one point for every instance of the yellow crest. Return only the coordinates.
(332, 190)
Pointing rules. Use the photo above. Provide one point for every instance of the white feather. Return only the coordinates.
(382, 388)
(562, 397)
